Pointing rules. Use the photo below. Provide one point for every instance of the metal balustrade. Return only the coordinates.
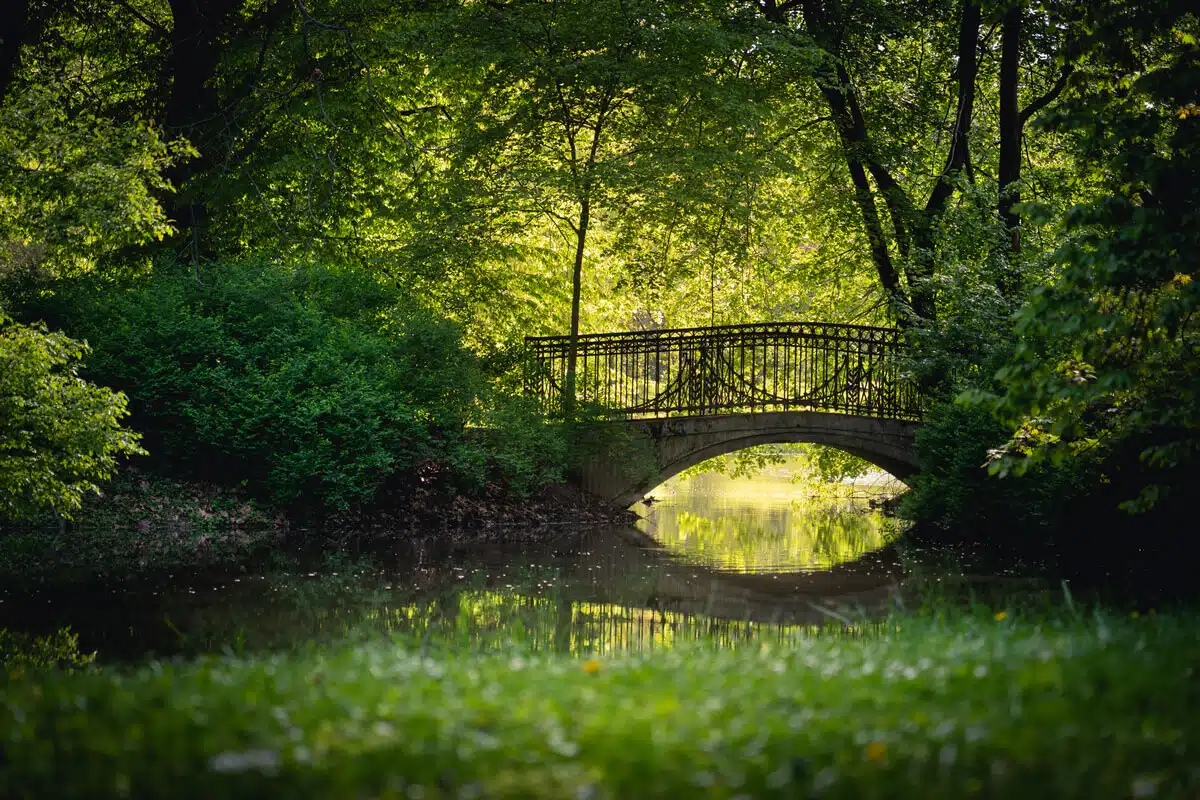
(784, 366)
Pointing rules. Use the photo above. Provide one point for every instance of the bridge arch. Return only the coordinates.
(676, 444)
(901, 470)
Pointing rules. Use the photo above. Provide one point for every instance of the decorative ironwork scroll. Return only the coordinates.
(785, 366)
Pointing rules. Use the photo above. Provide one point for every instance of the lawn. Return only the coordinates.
(978, 703)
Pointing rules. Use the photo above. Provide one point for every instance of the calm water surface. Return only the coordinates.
(768, 524)
(726, 560)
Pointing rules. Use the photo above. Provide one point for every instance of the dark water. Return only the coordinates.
(714, 558)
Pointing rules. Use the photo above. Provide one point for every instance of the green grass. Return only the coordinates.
(1069, 706)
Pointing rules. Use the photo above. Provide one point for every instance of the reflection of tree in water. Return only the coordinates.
(500, 620)
(752, 539)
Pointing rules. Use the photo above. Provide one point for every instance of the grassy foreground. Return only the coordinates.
(1094, 706)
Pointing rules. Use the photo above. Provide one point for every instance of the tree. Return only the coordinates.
(59, 434)
(74, 189)
(1108, 369)
(876, 70)
(570, 115)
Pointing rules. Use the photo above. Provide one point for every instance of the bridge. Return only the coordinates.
(675, 397)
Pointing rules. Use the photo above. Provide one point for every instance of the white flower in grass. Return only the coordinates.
(266, 761)
(1144, 786)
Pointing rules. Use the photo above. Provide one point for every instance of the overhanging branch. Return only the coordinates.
(1050, 96)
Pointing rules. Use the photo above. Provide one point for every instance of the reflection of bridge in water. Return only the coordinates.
(616, 588)
(686, 395)
(863, 588)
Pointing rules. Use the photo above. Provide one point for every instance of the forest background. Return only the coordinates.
(303, 240)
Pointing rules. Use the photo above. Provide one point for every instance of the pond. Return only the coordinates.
(728, 560)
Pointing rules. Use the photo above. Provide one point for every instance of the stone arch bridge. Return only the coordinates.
(680, 396)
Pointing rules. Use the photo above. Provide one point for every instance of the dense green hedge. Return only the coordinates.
(319, 387)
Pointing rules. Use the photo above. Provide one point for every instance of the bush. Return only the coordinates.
(58, 434)
(1064, 516)
(20, 651)
(321, 388)
(954, 492)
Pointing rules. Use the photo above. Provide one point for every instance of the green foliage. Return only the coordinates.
(938, 706)
(745, 463)
(529, 453)
(1106, 371)
(833, 465)
(59, 434)
(821, 463)
(20, 652)
(954, 491)
(319, 387)
(74, 188)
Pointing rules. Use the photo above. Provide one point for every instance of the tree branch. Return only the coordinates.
(833, 80)
(1050, 96)
(959, 155)
(157, 27)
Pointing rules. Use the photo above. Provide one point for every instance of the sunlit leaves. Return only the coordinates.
(74, 187)
(59, 434)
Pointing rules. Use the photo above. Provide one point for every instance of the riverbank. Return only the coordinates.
(139, 524)
(986, 704)
(144, 524)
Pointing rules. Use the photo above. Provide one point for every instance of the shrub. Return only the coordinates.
(58, 434)
(320, 387)
(19, 651)
(954, 492)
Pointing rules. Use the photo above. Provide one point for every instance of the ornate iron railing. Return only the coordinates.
(781, 366)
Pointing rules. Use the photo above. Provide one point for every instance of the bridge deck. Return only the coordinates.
(782, 366)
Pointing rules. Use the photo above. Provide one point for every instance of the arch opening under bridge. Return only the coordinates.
(654, 451)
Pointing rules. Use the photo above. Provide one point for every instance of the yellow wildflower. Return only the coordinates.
(876, 751)
(1001, 616)
(591, 666)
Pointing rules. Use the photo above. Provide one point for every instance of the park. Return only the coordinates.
(599, 398)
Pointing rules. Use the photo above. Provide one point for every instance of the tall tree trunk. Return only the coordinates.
(192, 105)
(834, 83)
(23, 25)
(576, 293)
(854, 138)
(583, 182)
(1010, 125)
